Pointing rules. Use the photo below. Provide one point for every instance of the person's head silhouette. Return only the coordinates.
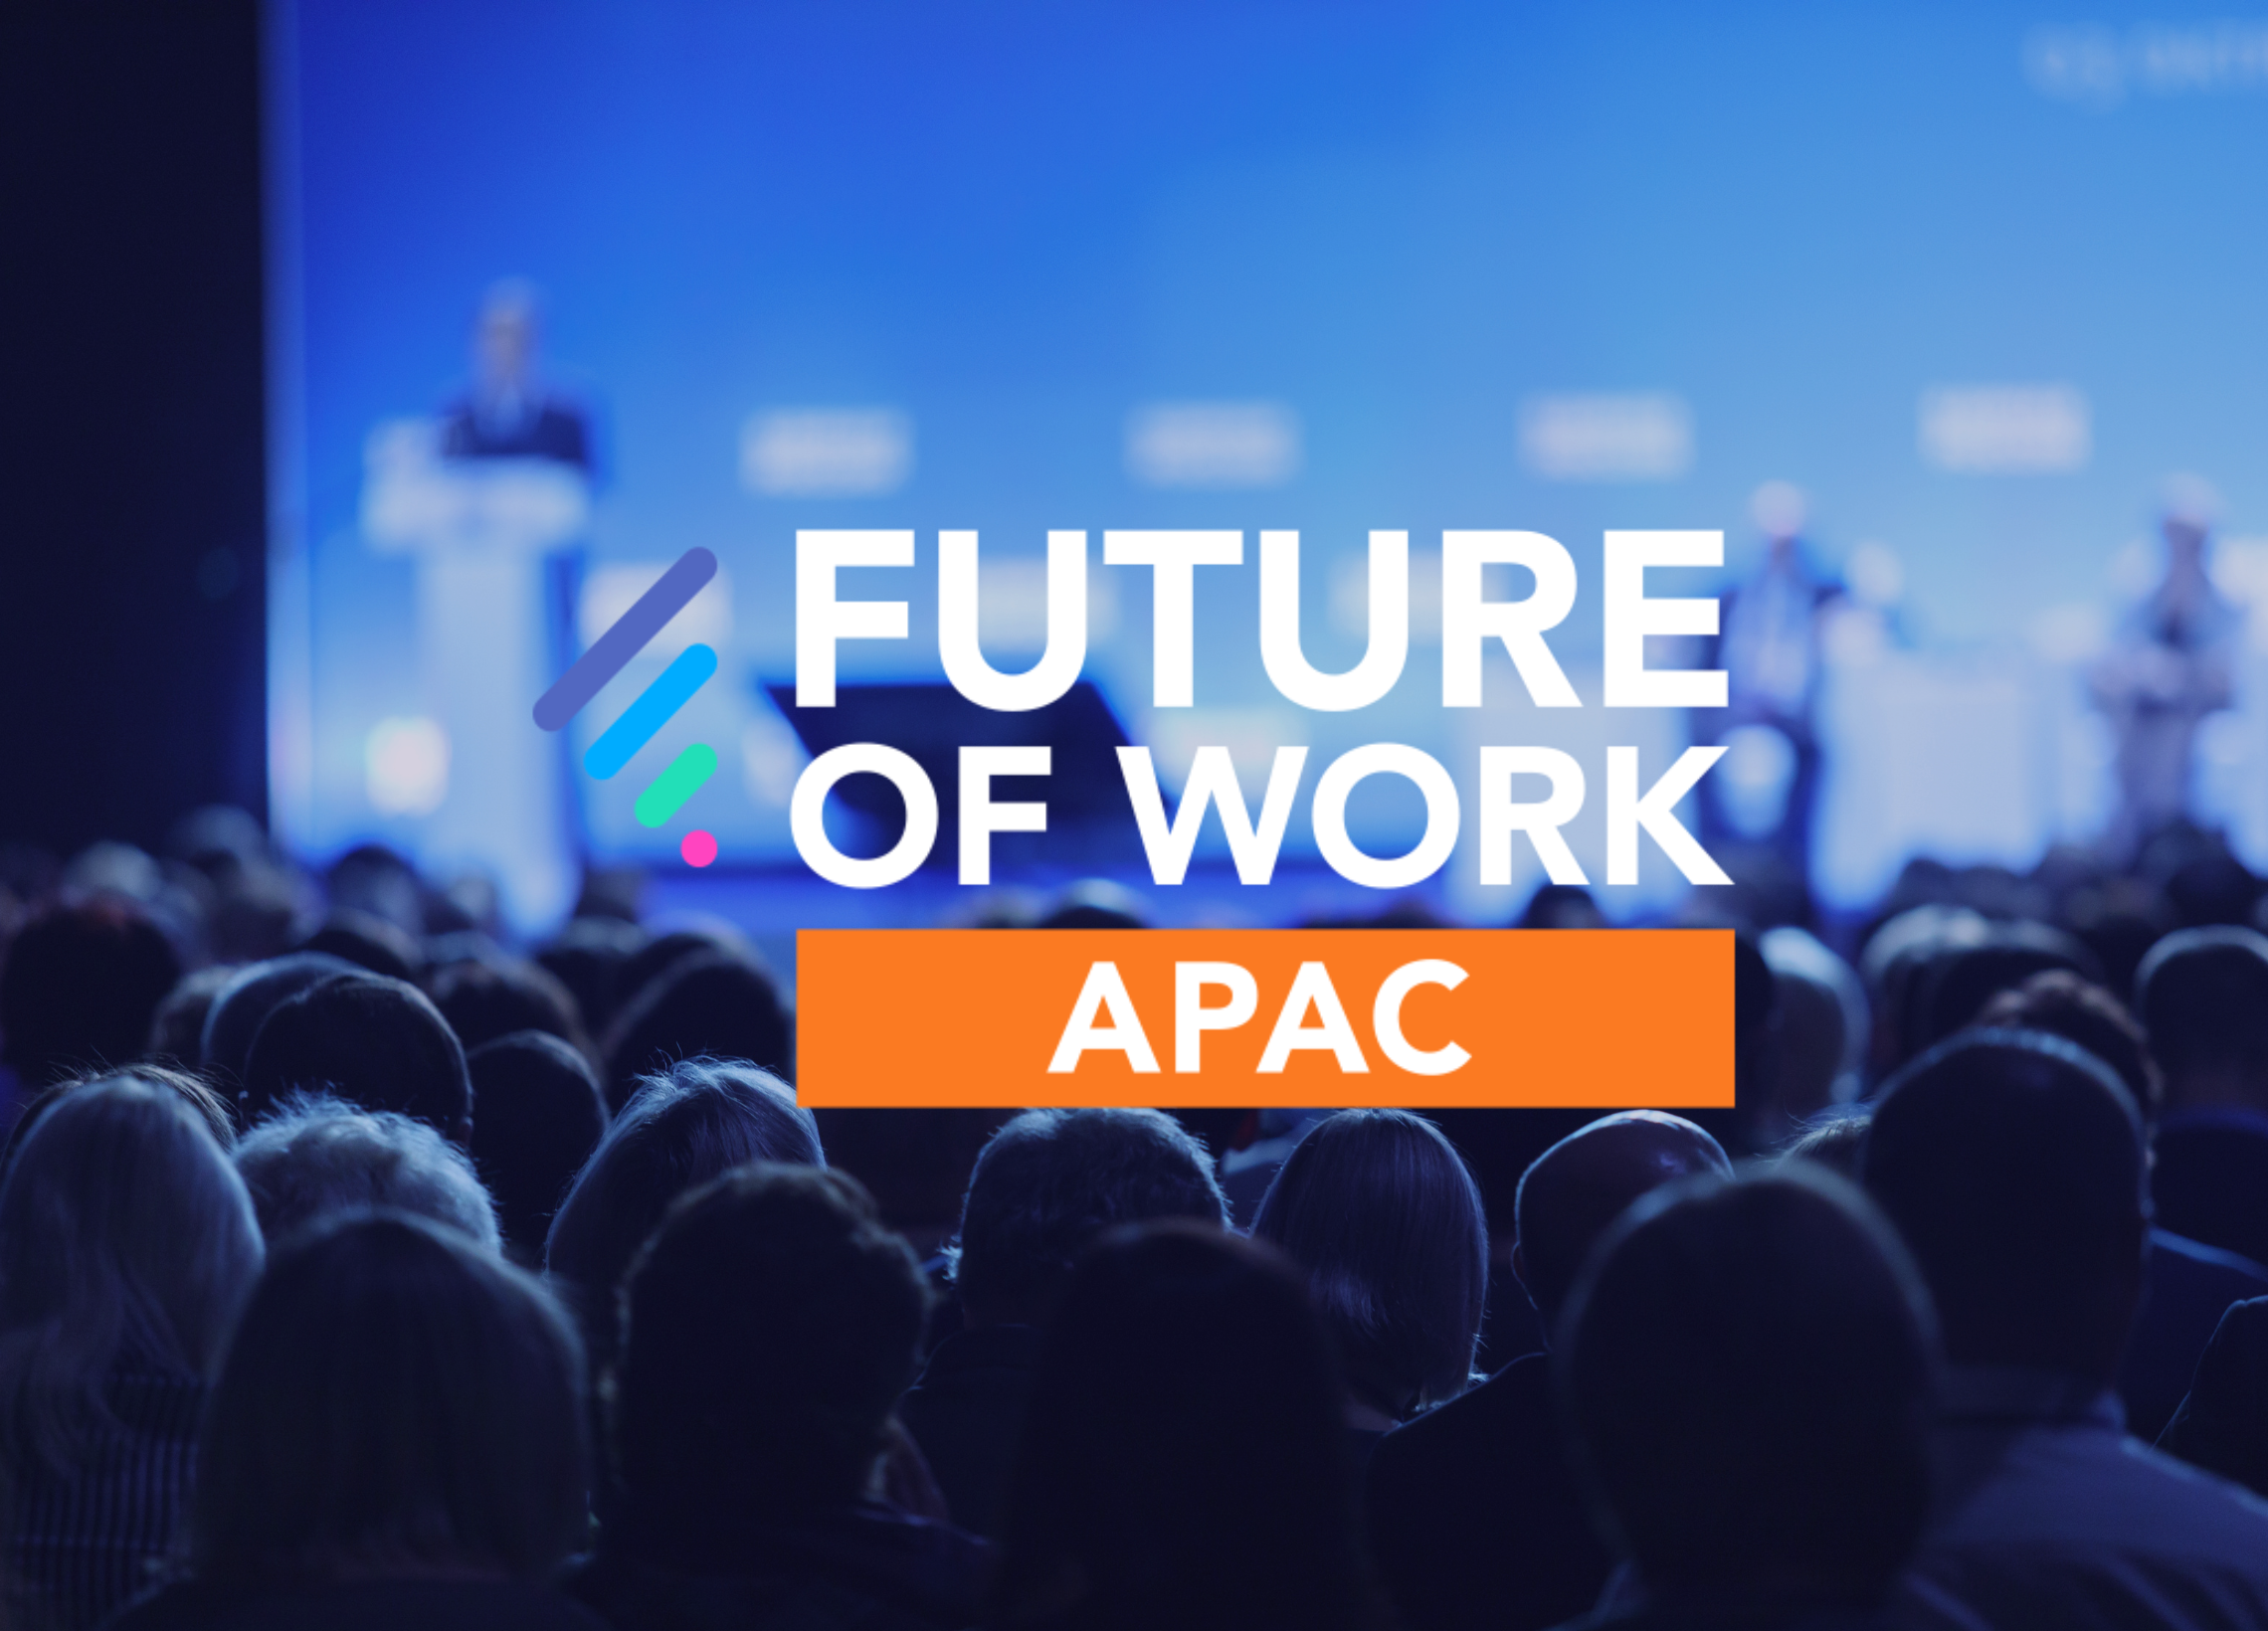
(2012, 1163)
(1748, 1366)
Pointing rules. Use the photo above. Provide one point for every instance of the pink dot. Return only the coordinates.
(699, 848)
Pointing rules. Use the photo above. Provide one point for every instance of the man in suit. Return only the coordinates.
(1474, 1511)
(2172, 662)
(1768, 648)
(511, 413)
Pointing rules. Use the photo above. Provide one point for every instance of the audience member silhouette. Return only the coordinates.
(2221, 1423)
(710, 1003)
(1046, 1185)
(380, 882)
(2203, 997)
(1379, 1209)
(1185, 1462)
(541, 1116)
(371, 943)
(396, 1439)
(1955, 984)
(1474, 1509)
(243, 1006)
(317, 1158)
(588, 957)
(914, 1162)
(693, 1122)
(78, 987)
(2188, 1285)
(749, 1428)
(654, 955)
(1818, 1033)
(178, 1029)
(128, 1244)
(375, 1042)
(2013, 1164)
(483, 998)
(1748, 1368)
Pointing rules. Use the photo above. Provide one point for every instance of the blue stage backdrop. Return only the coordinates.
(1976, 279)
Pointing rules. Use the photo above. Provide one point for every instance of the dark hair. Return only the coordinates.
(78, 986)
(1379, 1209)
(693, 1122)
(588, 959)
(541, 1116)
(1747, 1366)
(243, 1006)
(2201, 995)
(375, 1042)
(124, 1230)
(914, 1162)
(654, 955)
(1572, 1193)
(1561, 906)
(2012, 1163)
(375, 881)
(1184, 1458)
(712, 1005)
(483, 998)
(369, 942)
(1052, 1180)
(395, 1399)
(1957, 982)
(2083, 1014)
(769, 1326)
(178, 1029)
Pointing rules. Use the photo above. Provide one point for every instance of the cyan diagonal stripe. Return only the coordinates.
(654, 708)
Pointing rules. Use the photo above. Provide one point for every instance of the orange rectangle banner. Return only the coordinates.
(1313, 1017)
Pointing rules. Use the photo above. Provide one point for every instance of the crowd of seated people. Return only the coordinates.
(361, 1269)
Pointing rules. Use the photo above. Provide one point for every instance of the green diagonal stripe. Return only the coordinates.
(669, 790)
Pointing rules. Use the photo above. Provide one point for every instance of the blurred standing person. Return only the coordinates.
(1768, 646)
(483, 500)
(510, 411)
(2169, 664)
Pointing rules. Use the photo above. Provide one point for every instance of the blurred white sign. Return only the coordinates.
(2005, 430)
(826, 452)
(1213, 445)
(1644, 435)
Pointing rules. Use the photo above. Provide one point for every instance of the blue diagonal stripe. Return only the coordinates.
(654, 708)
(626, 638)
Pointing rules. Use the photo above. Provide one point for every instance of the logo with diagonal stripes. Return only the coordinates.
(656, 706)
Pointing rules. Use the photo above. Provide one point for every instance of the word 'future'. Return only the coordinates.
(1469, 621)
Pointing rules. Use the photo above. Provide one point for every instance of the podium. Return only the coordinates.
(479, 531)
